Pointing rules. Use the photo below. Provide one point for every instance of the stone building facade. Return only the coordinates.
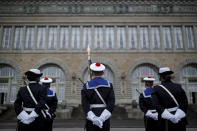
(132, 38)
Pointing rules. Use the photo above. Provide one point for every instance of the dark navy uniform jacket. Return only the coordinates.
(163, 100)
(51, 101)
(89, 96)
(24, 99)
(145, 100)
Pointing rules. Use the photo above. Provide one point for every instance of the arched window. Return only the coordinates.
(137, 76)
(58, 76)
(8, 84)
(108, 75)
(188, 79)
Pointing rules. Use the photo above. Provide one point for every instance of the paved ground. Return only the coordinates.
(113, 129)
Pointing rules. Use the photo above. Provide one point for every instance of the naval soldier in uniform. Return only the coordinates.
(171, 102)
(51, 104)
(146, 105)
(98, 100)
(28, 112)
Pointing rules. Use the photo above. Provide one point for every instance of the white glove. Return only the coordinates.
(148, 113)
(33, 114)
(105, 115)
(23, 116)
(179, 115)
(167, 115)
(155, 116)
(98, 122)
(152, 115)
(91, 116)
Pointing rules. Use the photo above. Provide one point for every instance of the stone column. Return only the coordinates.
(1, 36)
(35, 38)
(173, 39)
(104, 37)
(92, 37)
(47, 38)
(24, 37)
(150, 41)
(115, 38)
(184, 38)
(70, 37)
(127, 37)
(138, 38)
(58, 38)
(195, 36)
(9, 90)
(162, 48)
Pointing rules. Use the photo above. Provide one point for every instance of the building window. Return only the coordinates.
(167, 40)
(178, 37)
(87, 37)
(52, 44)
(190, 37)
(188, 79)
(41, 37)
(98, 37)
(75, 38)
(18, 37)
(58, 76)
(121, 37)
(144, 37)
(8, 81)
(109, 37)
(155, 33)
(29, 42)
(64, 35)
(132, 33)
(137, 76)
(6, 37)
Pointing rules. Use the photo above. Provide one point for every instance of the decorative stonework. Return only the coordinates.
(15, 66)
(57, 62)
(181, 65)
(84, 7)
(135, 64)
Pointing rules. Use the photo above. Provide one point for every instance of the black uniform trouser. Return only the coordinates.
(36, 125)
(48, 125)
(181, 126)
(91, 127)
(151, 124)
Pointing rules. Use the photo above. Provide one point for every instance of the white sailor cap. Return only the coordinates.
(149, 78)
(46, 80)
(35, 72)
(165, 70)
(97, 67)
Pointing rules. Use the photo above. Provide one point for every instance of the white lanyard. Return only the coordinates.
(170, 94)
(100, 96)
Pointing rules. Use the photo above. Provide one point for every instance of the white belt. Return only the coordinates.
(172, 109)
(97, 106)
(153, 111)
(28, 109)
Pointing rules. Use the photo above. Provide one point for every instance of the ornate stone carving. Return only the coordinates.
(60, 7)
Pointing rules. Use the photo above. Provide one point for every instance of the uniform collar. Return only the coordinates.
(147, 92)
(97, 82)
(50, 92)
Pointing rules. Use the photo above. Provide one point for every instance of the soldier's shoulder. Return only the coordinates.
(156, 87)
(176, 84)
